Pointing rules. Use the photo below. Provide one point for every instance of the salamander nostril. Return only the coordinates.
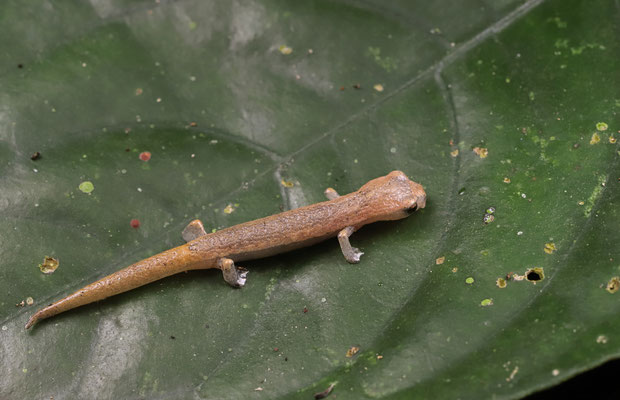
(411, 209)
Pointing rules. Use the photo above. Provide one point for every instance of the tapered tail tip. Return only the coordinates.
(33, 320)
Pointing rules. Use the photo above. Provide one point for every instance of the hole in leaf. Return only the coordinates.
(534, 275)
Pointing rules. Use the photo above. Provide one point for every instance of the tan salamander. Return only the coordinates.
(389, 197)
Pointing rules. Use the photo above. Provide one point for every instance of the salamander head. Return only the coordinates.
(394, 196)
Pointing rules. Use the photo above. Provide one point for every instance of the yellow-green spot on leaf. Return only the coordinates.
(561, 43)
(284, 49)
(287, 184)
(485, 252)
(595, 138)
(532, 96)
(469, 280)
(549, 247)
(229, 209)
(613, 285)
(501, 283)
(192, 25)
(486, 302)
(49, 265)
(86, 187)
(558, 22)
(601, 126)
(387, 63)
(578, 50)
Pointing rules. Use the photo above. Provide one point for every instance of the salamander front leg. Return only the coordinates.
(193, 230)
(233, 275)
(351, 254)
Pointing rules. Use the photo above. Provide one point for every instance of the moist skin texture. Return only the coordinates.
(390, 197)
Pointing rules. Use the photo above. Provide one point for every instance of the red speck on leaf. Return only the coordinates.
(145, 155)
(135, 223)
(305, 309)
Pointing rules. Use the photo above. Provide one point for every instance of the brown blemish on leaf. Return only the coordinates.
(454, 153)
(506, 180)
(49, 265)
(440, 260)
(613, 285)
(595, 138)
(482, 152)
(324, 393)
(550, 247)
(535, 274)
(352, 351)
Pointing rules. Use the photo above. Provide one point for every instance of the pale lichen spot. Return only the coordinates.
(555, 372)
(378, 87)
(454, 153)
(549, 247)
(229, 209)
(513, 373)
(50, 264)
(601, 339)
(29, 301)
(440, 260)
(486, 302)
(284, 49)
(501, 283)
(506, 180)
(594, 196)
(613, 285)
(482, 152)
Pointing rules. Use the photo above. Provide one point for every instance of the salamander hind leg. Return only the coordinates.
(193, 230)
(233, 275)
(351, 254)
(331, 194)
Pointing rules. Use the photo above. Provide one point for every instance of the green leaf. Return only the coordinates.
(248, 108)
